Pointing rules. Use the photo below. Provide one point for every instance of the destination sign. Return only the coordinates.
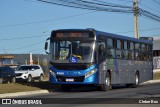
(72, 34)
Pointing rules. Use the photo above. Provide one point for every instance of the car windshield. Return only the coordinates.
(25, 68)
(72, 51)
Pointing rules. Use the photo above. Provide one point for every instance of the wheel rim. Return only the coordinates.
(29, 78)
(41, 78)
(13, 80)
(107, 82)
(137, 80)
(1, 80)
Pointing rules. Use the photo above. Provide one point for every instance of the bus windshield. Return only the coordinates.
(72, 51)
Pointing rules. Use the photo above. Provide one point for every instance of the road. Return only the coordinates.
(89, 95)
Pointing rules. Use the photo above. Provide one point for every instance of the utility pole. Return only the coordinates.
(38, 58)
(135, 9)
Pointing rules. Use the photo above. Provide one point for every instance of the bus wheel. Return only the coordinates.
(107, 86)
(136, 81)
(66, 88)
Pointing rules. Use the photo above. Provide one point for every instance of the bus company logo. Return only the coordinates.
(6, 101)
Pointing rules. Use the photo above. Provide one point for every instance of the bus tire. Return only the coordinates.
(66, 88)
(107, 86)
(136, 81)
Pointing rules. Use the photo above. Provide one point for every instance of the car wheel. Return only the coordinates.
(1, 80)
(41, 78)
(29, 78)
(13, 80)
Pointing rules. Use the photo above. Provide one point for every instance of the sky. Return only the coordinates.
(26, 24)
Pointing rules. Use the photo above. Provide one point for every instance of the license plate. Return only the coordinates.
(69, 80)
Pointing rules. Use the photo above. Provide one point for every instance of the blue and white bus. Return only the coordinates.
(91, 57)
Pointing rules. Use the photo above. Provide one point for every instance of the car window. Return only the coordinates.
(10, 70)
(25, 68)
(28, 67)
(36, 67)
(0, 69)
(4, 69)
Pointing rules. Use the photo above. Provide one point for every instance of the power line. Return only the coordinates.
(30, 37)
(149, 8)
(149, 15)
(24, 47)
(31, 45)
(142, 30)
(82, 4)
(18, 38)
(97, 6)
(85, 5)
(156, 2)
(44, 21)
(34, 50)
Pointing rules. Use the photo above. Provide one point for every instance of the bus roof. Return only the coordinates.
(112, 35)
(98, 33)
(67, 30)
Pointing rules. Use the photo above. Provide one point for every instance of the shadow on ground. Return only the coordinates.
(45, 85)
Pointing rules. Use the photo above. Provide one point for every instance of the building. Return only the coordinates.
(14, 60)
(7, 60)
(156, 53)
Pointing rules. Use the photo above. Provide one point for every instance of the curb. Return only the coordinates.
(23, 93)
(150, 82)
(46, 91)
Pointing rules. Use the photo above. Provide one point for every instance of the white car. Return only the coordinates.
(29, 73)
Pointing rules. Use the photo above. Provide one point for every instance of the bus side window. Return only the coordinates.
(109, 43)
(143, 47)
(137, 46)
(119, 49)
(125, 45)
(125, 51)
(101, 49)
(131, 46)
(110, 49)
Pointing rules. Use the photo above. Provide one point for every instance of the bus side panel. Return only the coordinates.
(117, 68)
(123, 71)
(146, 69)
(102, 71)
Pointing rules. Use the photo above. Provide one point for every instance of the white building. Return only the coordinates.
(156, 53)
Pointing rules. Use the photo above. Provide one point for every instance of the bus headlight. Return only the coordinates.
(52, 73)
(90, 73)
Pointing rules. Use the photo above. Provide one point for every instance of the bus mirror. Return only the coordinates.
(46, 46)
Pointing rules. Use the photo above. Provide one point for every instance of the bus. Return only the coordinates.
(92, 57)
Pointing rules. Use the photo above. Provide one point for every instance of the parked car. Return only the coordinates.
(29, 73)
(7, 74)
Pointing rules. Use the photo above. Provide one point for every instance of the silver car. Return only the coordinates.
(29, 73)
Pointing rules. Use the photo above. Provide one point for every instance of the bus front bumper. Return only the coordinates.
(74, 79)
